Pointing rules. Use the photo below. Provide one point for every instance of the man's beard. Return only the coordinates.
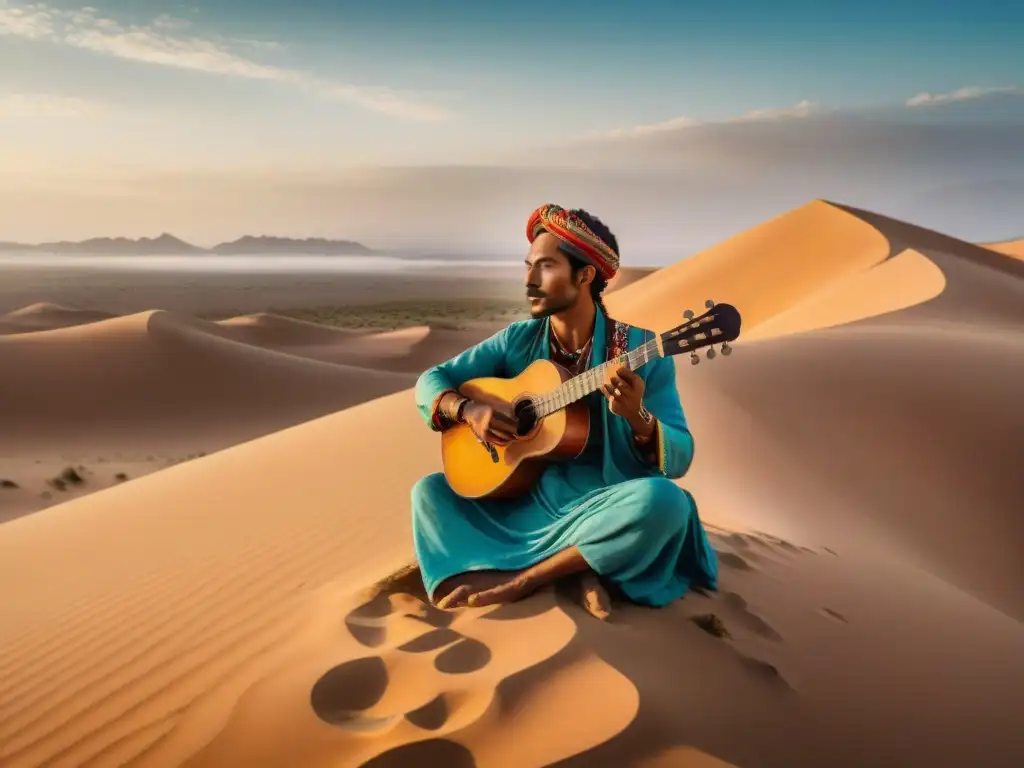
(551, 305)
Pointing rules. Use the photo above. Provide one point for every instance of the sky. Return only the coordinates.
(440, 125)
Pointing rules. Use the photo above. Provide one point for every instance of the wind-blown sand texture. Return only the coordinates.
(95, 404)
(857, 462)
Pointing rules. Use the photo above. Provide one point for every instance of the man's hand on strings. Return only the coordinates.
(624, 390)
(489, 424)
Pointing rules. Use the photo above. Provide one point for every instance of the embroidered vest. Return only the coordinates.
(617, 338)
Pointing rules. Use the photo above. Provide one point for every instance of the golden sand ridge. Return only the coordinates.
(857, 464)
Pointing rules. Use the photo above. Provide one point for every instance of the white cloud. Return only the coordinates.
(799, 110)
(829, 148)
(164, 21)
(42, 105)
(33, 21)
(805, 119)
(961, 94)
(641, 130)
(168, 42)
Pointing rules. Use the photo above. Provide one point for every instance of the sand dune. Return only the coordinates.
(765, 270)
(905, 419)
(407, 350)
(45, 316)
(91, 406)
(906, 279)
(156, 371)
(627, 276)
(855, 460)
(265, 329)
(1014, 248)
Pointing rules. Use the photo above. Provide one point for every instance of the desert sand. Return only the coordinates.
(123, 390)
(1013, 248)
(857, 465)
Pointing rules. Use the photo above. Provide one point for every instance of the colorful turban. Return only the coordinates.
(576, 237)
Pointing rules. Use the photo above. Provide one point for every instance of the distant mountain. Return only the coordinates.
(317, 246)
(167, 245)
(163, 245)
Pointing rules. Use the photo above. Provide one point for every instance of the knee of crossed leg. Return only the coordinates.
(665, 505)
(428, 491)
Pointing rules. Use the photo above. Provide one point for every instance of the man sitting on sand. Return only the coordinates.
(614, 511)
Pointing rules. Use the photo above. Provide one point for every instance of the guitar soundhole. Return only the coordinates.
(526, 416)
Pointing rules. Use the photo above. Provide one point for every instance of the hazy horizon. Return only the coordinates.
(292, 263)
(440, 129)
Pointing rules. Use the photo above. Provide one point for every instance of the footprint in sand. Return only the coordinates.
(766, 672)
(748, 618)
(834, 615)
(412, 639)
(368, 622)
(427, 752)
(737, 540)
(349, 689)
(732, 560)
(779, 542)
(345, 692)
(744, 551)
(760, 668)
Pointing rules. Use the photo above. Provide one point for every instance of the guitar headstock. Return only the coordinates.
(720, 324)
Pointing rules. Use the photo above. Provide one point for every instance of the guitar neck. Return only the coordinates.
(578, 387)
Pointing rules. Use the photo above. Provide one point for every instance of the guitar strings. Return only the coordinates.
(588, 381)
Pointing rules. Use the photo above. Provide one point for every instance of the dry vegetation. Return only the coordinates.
(456, 313)
(711, 624)
(78, 476)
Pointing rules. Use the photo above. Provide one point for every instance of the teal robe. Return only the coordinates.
(630, 521)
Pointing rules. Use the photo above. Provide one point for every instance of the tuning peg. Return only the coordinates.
(711, 353)
(688, 314)
(726, 349)
(709, 304)
(694, 359)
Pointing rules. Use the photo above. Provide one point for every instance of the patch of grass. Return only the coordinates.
(711, 624)
(8, 484)
(450, 314)
(69, 476)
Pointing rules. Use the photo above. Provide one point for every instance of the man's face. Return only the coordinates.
(549, 282)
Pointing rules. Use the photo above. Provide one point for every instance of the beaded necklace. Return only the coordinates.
(576, 361)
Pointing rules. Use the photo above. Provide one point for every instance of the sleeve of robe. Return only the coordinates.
(483, 359)
(661, 396)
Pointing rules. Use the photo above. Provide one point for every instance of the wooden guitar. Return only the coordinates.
(553, 423)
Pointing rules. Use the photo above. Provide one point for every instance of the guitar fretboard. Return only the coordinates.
(578, 387)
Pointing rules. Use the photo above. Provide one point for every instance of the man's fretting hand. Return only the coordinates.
(489, 424)
(624, 390)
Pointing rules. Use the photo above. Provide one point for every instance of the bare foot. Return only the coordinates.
(456, 589)
(516, 588)
(457, 598)
(594, 597)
